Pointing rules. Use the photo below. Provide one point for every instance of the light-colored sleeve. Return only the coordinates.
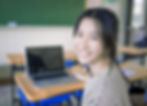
(115, 93)
(115, 99)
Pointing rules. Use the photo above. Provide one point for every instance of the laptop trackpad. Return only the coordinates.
(55, 81)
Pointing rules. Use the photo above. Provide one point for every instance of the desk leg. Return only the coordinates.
(12, 84)
(74, 100)
(13, 89)
(142, 59)
(13, 69)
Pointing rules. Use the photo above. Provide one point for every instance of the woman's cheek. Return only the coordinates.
(76, 43)
(96, 48)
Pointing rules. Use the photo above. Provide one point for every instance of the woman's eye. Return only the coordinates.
(95, 37)
(79, 34)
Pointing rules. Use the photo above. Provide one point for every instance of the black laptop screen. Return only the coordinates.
(44, 59)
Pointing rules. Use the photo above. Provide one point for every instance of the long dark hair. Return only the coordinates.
(109, 23)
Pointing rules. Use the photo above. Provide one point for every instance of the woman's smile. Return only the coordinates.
(84, 54)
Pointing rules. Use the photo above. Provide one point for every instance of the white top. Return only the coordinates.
(106, 89)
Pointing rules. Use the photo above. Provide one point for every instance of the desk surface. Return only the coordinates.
(132, 50)
(139, 72)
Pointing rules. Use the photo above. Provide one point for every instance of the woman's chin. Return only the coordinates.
(84, 61)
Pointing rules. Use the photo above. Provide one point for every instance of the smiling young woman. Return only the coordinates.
(95, 38)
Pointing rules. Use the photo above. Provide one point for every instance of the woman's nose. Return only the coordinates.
(84, 44)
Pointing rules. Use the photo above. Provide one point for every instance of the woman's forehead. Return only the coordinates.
(89, 24)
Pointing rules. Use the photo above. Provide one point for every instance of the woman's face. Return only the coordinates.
(88, 45)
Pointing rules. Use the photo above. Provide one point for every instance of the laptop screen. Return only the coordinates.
(41, 60)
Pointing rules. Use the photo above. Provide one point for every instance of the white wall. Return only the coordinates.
(16, 39)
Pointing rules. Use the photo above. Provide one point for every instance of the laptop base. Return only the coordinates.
(54, 81)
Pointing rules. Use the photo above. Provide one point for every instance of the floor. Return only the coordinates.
(5, 97)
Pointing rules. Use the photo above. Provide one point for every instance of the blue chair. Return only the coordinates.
(145, 96)
(78, 94)
(22, 97)
(69, 63)
(55, 100)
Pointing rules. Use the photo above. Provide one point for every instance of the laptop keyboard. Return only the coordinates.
(47, 77)
(55, 80)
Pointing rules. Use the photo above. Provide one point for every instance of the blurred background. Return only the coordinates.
(50, 22)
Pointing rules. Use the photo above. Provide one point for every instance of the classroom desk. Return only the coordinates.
(17, 60)
(33, 94)
(139, 71)
(132, 50)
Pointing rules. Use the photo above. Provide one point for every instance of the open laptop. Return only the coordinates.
(45, 66)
